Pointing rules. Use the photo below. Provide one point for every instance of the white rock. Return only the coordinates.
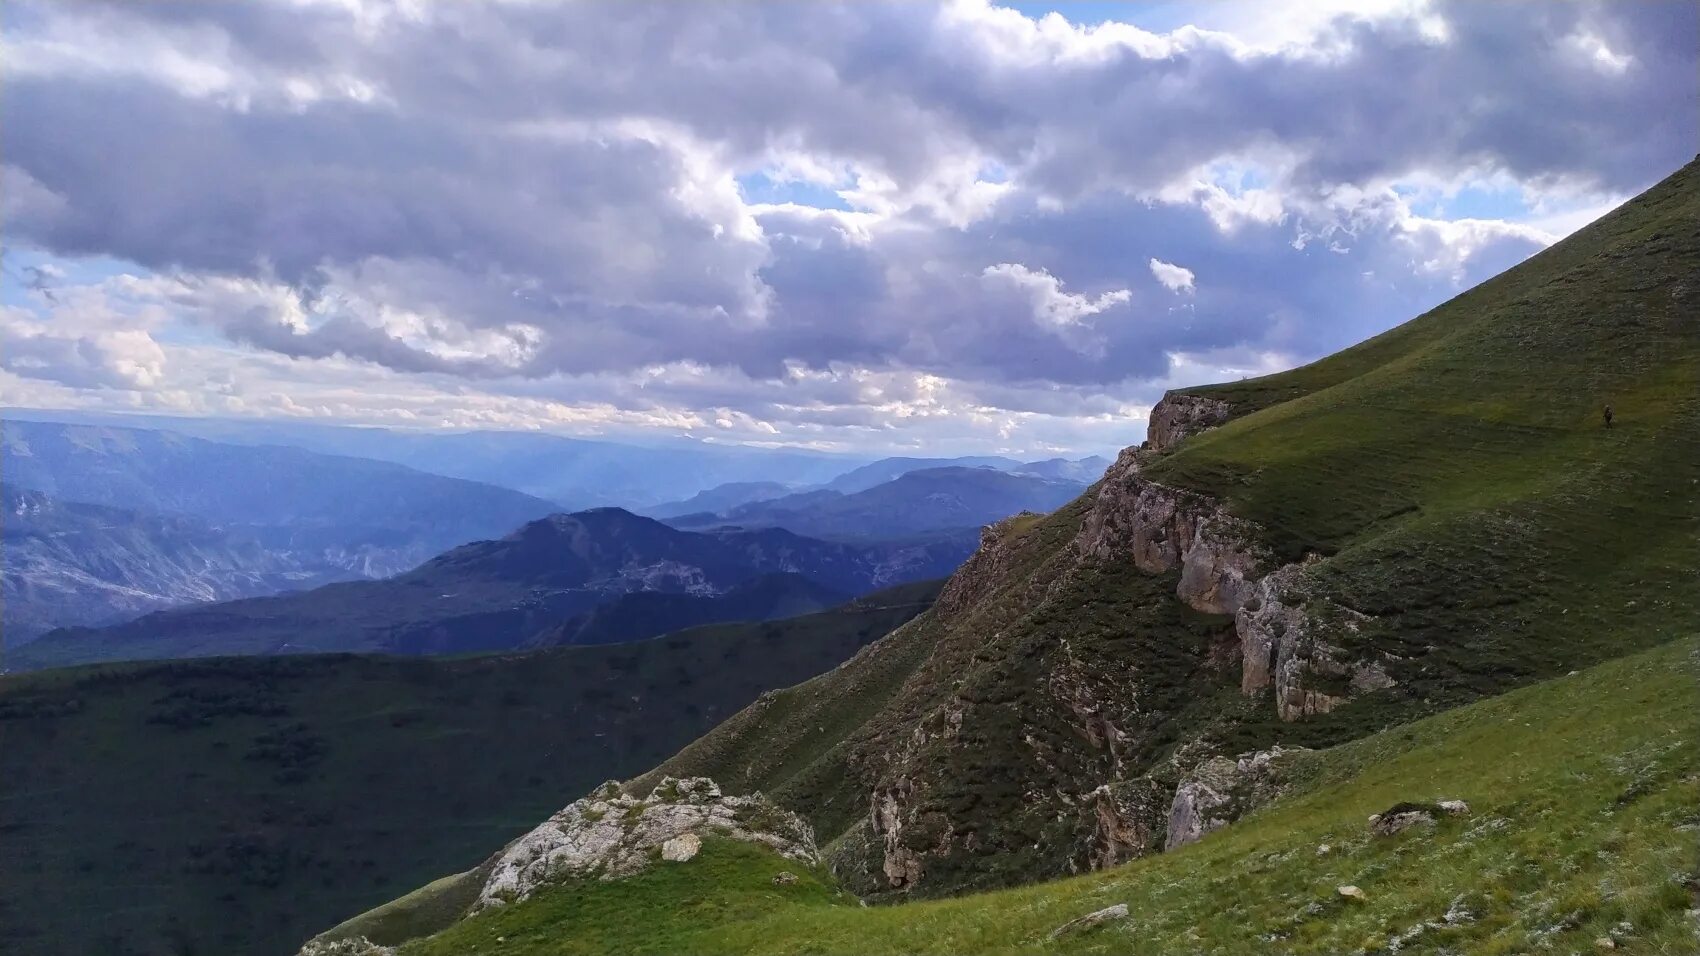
(681, 848)
(1454, 807)
(1352, 893)
(611, 835)
(1105, 915)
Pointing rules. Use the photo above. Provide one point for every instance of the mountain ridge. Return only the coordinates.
(498, 594)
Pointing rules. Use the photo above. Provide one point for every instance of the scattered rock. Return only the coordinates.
(1324, 850)
(681, 848)
(1454, 807)
(1606, 942)
(1352, 893)
(784, 878)
(1403, 816)
(1106, 915)
(611, 834)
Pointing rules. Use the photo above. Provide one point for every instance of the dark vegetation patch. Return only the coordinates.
(241, 805)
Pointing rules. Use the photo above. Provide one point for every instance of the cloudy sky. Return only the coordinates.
(880, 227)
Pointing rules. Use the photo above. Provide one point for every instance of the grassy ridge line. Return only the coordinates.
(1585, 796)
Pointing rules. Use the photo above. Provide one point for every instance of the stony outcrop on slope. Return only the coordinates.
(1177, 416)
(1294, 644)
(1160, 528)
(611, 834)
(1220, 790)
(1285, 640)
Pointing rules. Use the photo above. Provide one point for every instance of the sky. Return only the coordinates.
(866, 227)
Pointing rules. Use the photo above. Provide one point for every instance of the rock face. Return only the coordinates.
(682, 848)
(1294, 644)
(611, 834)
(1161, 528)
(1177, 416)
(1220, 790)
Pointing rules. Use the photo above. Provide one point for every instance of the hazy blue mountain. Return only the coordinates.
(69, 563)
(1083, 470)
(369, 518)
(887, 469)
(917, 502)
(573, 472)
(496, 595)
(721, 498)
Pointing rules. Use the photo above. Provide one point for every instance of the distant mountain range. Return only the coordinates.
(369, 518)
(104, 523)
(916, 502)
(574, 473)
(532, 587)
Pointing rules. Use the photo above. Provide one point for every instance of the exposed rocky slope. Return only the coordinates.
(608, 835)
(68, 563)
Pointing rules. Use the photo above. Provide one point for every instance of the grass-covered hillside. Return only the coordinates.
(239, 805)
(1458, 500)
(1583, 825)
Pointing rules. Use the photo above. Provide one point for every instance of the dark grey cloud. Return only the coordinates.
(537, 190)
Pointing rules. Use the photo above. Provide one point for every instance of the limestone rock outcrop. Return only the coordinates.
(1177, 416)
(1220, 790)
(1294, 643)
(611, 834)
(1161, 528)
(353, 946)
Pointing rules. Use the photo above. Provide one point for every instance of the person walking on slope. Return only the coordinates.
(1607, 414)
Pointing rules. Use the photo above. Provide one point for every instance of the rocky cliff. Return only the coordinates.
(1178, 415)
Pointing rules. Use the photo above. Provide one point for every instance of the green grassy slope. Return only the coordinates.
(1455, 474)
(1457, 471)
(1585, 815)
(241, 805)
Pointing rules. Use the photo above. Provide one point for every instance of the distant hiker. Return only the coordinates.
(1608, 416)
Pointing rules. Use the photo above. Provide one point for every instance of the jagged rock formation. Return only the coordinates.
(1220, 790)
(1161, 528)
(1177, 416)
(611, 834)
(1294, 643)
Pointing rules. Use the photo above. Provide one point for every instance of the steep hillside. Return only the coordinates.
(1578, 826)
(1434, 516)
(765, 598)
(366, 517)
(496, 595)
(237, 806)
(916, 502)
(66, 563)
